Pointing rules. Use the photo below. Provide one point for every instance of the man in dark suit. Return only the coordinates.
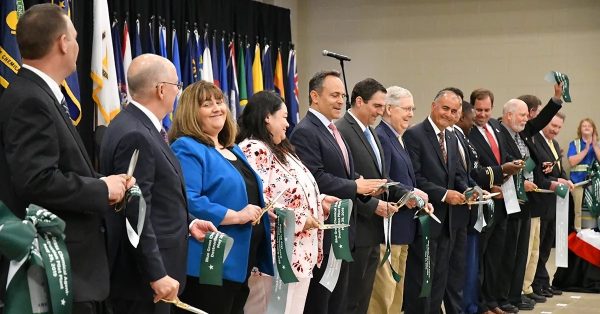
(324, 152)
(43, 159)
(387, 295)
(156, 269)
(367, 104)
(548, 152)
(434, 155)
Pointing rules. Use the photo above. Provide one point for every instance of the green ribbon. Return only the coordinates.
(592, 191)
(39, 278)
(520, 187)
(340, 214)
(561, 190)
(426, 283)
(215, 250)
(561, 77)
(135, 193)
(284, 243)
(529, 165)
(20, 8)
(278, 299)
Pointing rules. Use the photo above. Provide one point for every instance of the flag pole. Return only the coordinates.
(345, 85)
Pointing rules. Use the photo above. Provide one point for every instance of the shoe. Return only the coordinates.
(536, 297)
(527, 300)
(544, 293)
(524, 306)
(497, 310)
(555, 291)
(509, 308)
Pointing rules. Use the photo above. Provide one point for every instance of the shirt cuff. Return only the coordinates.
(444, 198)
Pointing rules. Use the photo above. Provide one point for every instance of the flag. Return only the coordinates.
(70, 86)
(149, 48)
(215, 65)
(162, 41)
(126, 53)
(257, 75)
(189, 71)
(207, 71)
(168, 120)
(198, 54)
(9, 50)
(279, 87)
(267, 69)
(249, 77)
(105, 92)
(292, 99)
(241, 74)
(223, 79)
(117, 52)
(137, 46)
(234, 103)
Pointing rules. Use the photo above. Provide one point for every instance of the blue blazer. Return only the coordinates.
(213, 186)
(400, 168)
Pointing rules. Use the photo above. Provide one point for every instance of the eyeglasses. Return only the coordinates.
(178, 84)
(408, 109)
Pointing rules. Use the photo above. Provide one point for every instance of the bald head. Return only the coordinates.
(146, 71)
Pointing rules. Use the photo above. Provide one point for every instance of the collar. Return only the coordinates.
(435, 128)
(398, 135)
(321, 117)
(362, 126)
(512, 133)
(458, 129)
(54, 87)
(149, 114)
(545, 138)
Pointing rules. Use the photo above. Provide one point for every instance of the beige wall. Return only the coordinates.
(425, 45)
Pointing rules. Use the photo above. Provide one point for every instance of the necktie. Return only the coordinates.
(63, 103)
(163, 134)
(493, 144)
(401, 141)
(371, 141)
(442, 140)
(553, 149)
(461, 149)
(340, 142)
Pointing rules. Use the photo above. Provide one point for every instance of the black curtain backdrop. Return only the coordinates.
(249, 20)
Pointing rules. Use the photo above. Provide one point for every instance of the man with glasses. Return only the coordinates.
(155, 270)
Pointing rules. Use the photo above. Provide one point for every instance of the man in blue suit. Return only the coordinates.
(324, 152)
(399, 109)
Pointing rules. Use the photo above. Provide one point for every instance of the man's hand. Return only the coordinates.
(512, 167)
(199, 228)
(567, 183)
(310, 223)
(454, 197)
(497, 189)
(328, 200)
(117, 185)
(421, 194)
(370, 187)
(385, 209)
(558, 90)
(429, 208)
(165, 288)
(529, 186)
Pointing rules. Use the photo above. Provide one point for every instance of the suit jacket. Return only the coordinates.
(461, 213)
(163, 242)
(43, 161)
(544, 205)
(400, 169)
(433, 175)
(321, 154)
(213, 187)
(369, 224)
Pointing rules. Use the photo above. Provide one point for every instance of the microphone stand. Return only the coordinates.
(345, 85)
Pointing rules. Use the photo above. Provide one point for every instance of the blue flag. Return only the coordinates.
(267, 69)
(11, 10)
(199, 53)
(189, 71)
(215, 63)
(137, 41)
(223, 79)
(162, 41)
(249, 78)
(292, 91)
(234, 103)
(117, 51)
(168, 120)
(149, 48)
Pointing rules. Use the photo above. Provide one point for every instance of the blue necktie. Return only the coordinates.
(371, 141)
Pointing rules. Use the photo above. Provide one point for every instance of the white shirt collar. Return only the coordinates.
(321, 117)
(398, 135)
(362, 126)
(544, 136)
(435, 128)
(459, 130)
(54, 87)
(149, 114)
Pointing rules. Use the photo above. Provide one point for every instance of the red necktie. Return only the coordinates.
(493, 144)
(340, 142)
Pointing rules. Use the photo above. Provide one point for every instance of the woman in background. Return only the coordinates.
(222, 188)
(583, 151)
(262, 138)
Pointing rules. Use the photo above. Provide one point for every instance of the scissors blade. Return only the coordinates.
(333, 226)
(488, 196)
(133, 162)
(184, 306)
(432, 215)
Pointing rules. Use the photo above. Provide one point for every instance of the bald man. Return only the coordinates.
(154, 270)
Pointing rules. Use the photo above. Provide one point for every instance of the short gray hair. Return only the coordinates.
(395, 94)
(511, 105)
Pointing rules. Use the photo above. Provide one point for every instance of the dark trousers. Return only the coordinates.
(120, 306)
(492, 248)
(547, 233)
(453, 297)
(229, 298)
(439, 255)
(319, 299)
(472, 285)
(514, 260)
(362, 276)
(91, 307)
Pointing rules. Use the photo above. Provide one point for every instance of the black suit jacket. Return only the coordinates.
(369, 224)
(321, 154)
(163, 244)
(544, 204)
(43, 161)
(434, 176)
(400, 169)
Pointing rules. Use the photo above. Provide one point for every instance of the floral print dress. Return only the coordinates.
(301, 195)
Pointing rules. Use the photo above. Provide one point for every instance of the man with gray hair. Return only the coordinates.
(399, 110)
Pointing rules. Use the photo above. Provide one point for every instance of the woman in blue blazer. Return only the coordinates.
(222, 188)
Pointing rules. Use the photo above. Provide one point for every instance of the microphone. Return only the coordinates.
(335, 55)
